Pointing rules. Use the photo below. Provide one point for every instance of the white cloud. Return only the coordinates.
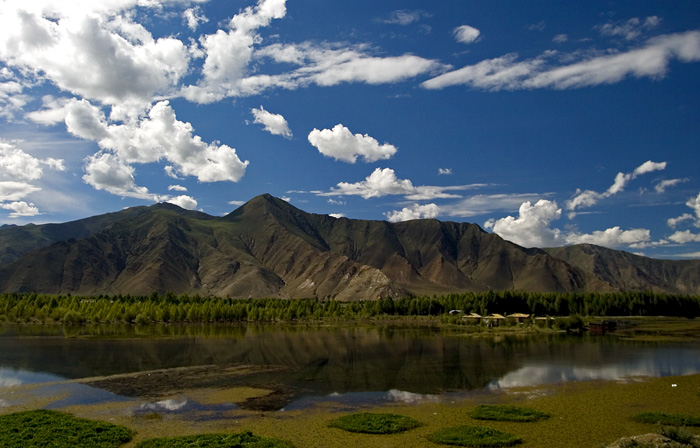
(14, 191)
(507, 73)
(416, 211)
(694, 204)
(341, 144)
(158, 136)
(532, 227)
(193, 17)
(673, 222)
(20, 209)
(105, 171)
(588, 198)
(94, 51)
(560, 38)
(404, 17)
(664, 184)
(274, 123)
(383, 182)
(17, 164)
(685, 236)
(612, 237)
(337, 215)
(186, 202)
(466, 34)
(176, 188)
(630, 29)
(444, 171)
(332, 64)
(483, 204)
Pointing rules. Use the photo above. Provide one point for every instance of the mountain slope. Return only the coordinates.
(629, 272)
(268, 248)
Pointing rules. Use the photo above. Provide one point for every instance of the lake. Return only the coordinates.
(353, 366)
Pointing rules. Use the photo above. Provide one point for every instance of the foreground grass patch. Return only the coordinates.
(44, 428)
(666, 419)
(240, 440)
(507, 414)
(371, 423)
(474, 436)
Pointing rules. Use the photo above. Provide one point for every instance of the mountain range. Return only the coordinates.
(269, 248)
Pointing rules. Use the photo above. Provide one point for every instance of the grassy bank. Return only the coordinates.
(582, 414)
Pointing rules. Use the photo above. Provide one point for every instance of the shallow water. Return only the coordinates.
(354, 366)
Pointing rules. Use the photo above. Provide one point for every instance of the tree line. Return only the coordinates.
(171, 308)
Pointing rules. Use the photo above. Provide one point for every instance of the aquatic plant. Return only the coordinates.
(238, 440)
(43, 428)
(667, 419)
(374, 423)
(474, 436)
(507, 413)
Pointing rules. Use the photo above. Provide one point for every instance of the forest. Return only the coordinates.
(169, 308)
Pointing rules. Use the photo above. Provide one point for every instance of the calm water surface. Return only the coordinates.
(342, 364)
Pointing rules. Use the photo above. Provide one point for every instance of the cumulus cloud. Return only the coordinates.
(466, 34)
(532, 228)
(416, 211)
(383, 182)
(20, 209)
(694, 204)
(193, 17)
(13, 191)
(274, 123)
(17, 164)
(104, 171)
(91, 50)
(557, 71)
(176, 188)
(159, 136)
(341, 144)
(684, 236)
(588, 198)
(186, 202)
(444, 171)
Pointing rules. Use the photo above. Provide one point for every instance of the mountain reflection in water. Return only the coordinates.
(338, 363)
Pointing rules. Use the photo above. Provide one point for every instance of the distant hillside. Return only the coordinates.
(268, 248)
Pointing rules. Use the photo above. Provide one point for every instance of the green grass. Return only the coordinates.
(239, 440)
(666, 419)
(42, 428)
(507, 414)
(474, 436)
(372, 423)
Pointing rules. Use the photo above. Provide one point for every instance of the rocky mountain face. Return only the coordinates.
(268, 248)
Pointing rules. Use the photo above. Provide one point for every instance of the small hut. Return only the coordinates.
(519, 317)
(494, 320)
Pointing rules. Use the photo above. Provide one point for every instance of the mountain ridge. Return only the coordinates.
(269, 248)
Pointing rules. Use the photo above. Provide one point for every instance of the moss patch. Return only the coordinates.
(240, 440)
(371, 423)
(504, 413)
(42, 428)
(667, 419)
(475, 436)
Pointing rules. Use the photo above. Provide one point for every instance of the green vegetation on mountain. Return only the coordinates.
(269, 249)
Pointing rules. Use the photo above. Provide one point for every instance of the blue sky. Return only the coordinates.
(548, 123)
